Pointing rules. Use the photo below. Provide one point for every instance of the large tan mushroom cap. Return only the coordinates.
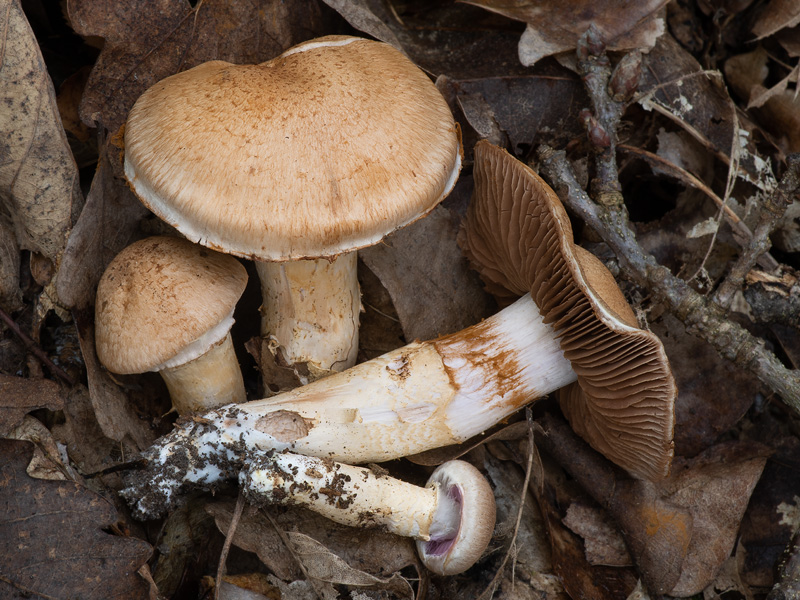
(159, 295)
(519, 238)
(324, 149)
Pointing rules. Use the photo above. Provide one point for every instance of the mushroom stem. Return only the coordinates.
(310, 313)
(452, 517)
(212, 379)
(422, 396)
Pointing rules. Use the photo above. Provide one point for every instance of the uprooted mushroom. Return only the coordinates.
(452, 518)
(431, 394)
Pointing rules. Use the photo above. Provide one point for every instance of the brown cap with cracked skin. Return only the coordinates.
(327, 148)
(158, 296)
(519, 238)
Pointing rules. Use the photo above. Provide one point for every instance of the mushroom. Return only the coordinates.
(165, 304)
(432, 394)
(452, 518)
(296, 163)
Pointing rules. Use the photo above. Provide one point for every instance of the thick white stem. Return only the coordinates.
(209, 381)
(349, 495)
(422, 396)
(310, 313)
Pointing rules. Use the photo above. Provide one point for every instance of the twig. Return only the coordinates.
(701, 316)
(595, 68)
(490, 589)
(34, 349)
(739, 226)
(772, 211)
(226, 547)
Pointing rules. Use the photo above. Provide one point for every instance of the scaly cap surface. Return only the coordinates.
(326, 148)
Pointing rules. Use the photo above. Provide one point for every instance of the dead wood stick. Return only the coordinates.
(700, 315)
(772, 211)
(34, 349)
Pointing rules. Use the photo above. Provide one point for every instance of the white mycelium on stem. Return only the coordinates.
(452, 518)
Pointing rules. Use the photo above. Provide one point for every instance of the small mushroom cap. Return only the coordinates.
(159, 295)
(518, 236)
(325, 149)
(464, 486)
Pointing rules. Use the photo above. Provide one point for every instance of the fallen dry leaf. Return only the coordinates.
(424, 257)
(21, 395)
(372, 551)
(146, 41)
(38, 177)
(715, 488)
(712, 396)
(53, 542)
(555, 26)
(776, 15)
(778, 108)
(322, 564)
(46, 462)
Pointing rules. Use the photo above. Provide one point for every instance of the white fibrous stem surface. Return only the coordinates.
(422, 396)
(349, 495)
(209, 381)
(310, 313)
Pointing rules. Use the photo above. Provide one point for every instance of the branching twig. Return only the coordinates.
(772, 211)
(31, 347)
(701, 316)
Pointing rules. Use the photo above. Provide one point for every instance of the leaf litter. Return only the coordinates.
(501, 82)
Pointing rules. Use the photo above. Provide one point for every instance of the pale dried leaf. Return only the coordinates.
(777, 15)
(38, 177)
(46, 462)
(320, 563)
(555, 26)
(715, 487)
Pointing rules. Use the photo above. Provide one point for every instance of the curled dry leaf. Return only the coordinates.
(555, 26)
(53, 542)
(19, 395)
(46, 462)
(38, 177)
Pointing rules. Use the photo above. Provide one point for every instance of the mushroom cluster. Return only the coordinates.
(573, 326)
(296, 163)
(214, 152)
